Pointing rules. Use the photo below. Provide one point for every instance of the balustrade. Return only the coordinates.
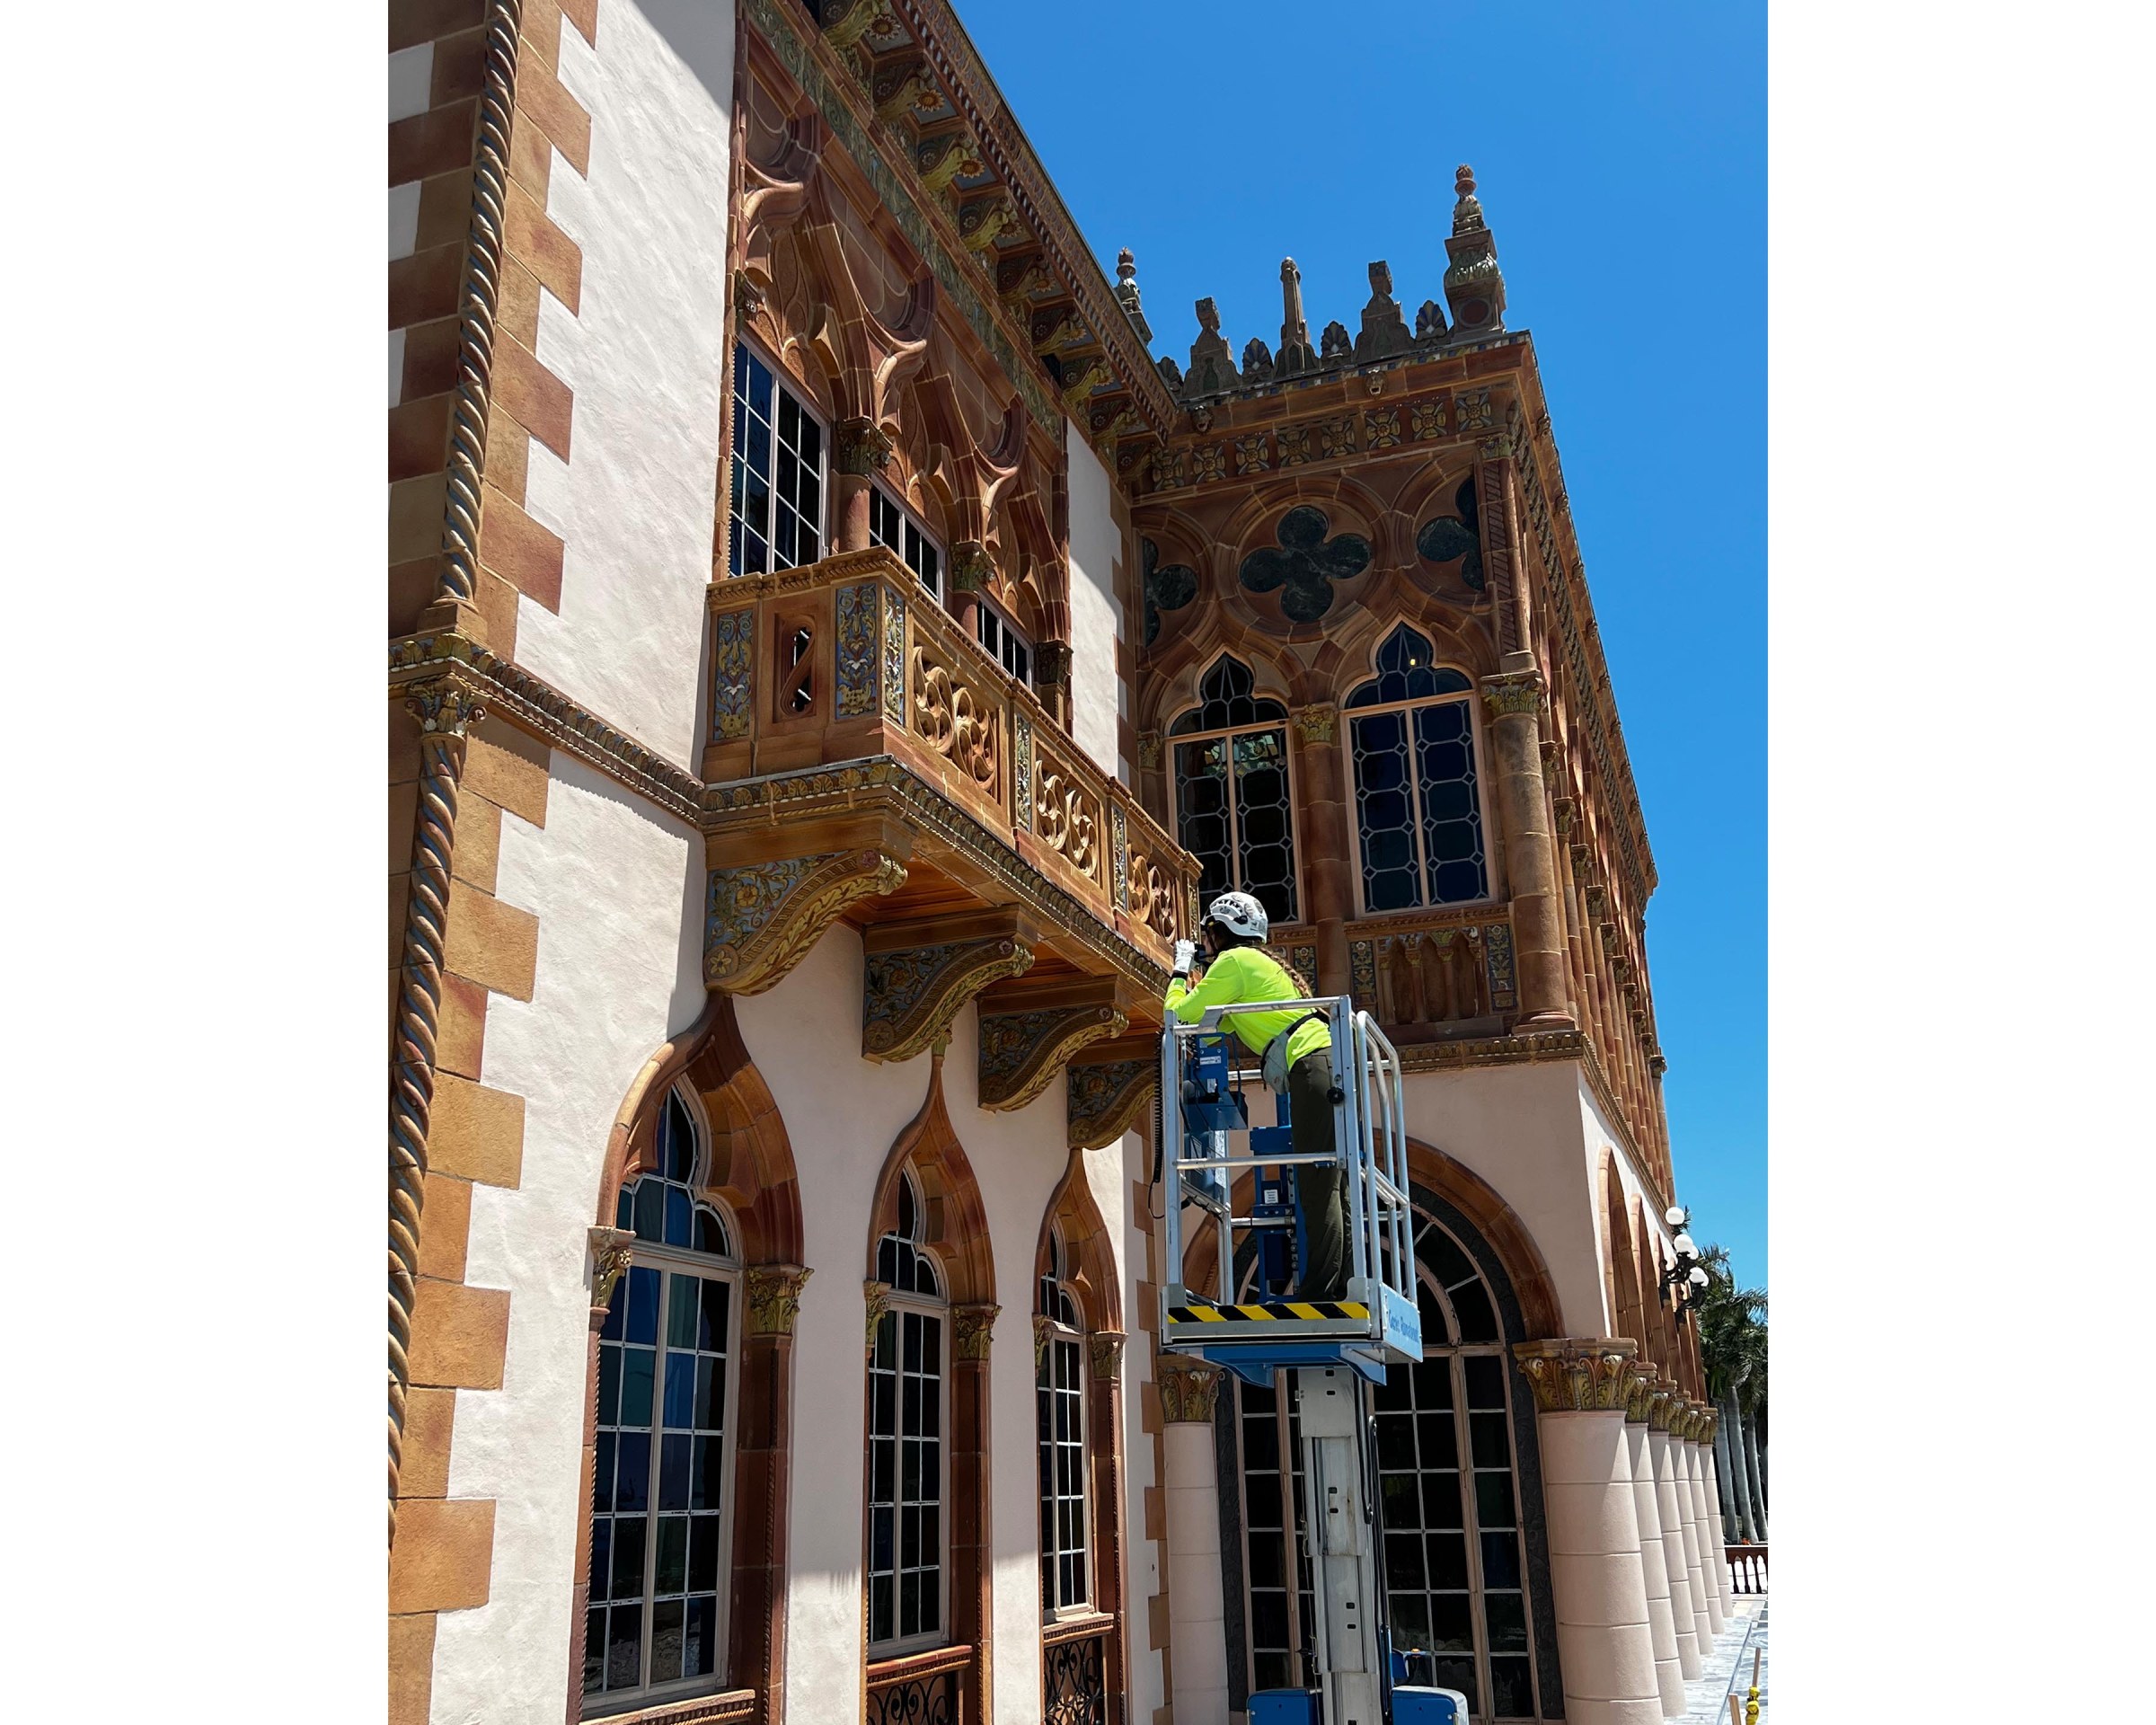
(1748, 1567)
(1434, 978)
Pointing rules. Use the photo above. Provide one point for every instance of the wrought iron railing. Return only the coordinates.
(1074, 1674)
(933, 1688)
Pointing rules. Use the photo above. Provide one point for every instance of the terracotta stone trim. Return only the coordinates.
(704, 1710)
(936, 1661)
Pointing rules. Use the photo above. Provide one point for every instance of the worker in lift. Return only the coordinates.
(1296, 1048)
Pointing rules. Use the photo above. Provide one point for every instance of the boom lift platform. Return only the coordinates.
(1336, 1349)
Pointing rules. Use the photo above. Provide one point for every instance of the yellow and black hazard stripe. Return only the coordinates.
(1270, 1310)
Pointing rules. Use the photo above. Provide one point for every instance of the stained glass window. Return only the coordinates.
(1418, 798)
(1234, 809)
(778, 473)
(906, 1440)
(890, 526)
(1059, 1403)
(661, 1471)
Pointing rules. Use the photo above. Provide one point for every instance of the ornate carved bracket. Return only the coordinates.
(1577, 1375)
(1106, 1346)
(775, 1297)
(761, 917)
(1044, 1327)
(1190, 1390)
(1028, 1035)
(1109, 1096)
(971, 1329)
(920, 973)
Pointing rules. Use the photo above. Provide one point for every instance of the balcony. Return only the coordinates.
(868, 761)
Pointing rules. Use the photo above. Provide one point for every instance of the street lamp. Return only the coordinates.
(1685, 1276)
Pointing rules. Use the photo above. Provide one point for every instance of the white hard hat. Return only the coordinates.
(1239, 914)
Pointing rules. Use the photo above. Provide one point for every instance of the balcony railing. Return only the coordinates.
(852, 657)
(1437, 974)
(1748, 1567)
(1074, 1672)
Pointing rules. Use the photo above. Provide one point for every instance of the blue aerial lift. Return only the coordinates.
(1335, 1351)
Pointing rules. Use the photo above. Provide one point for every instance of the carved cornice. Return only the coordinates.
(1027, 1036)
(760, 918)
(1510, 694)
(1577, 1375)
(609, 1262)
(876, 1297)
(971, 1329)
(773, 1292)
(1105, 1347)
(920, 974)
(1190, 1390)
(1106, 1099)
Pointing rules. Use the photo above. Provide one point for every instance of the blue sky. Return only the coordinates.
(1619, 154)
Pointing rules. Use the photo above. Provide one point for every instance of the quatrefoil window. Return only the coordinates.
(1306, 565)
(1443, 539)
(1166, 589)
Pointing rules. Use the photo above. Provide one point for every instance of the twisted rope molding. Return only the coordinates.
(445, 713)
(476, 310)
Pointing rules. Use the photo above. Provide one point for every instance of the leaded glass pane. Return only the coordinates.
(1385, 812)
(1265, 822)
(1406, 671)
(1201, 812)
(1452, 807)
(1227, 700)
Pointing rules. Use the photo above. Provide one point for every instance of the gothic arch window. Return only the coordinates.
(1234, 809)
(1059, 1399)
(908, 1470)
(1418, 796)
(1455, 1574)
(662, 1475)
(777, 467)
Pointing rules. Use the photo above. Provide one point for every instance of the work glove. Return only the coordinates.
(1185, 951)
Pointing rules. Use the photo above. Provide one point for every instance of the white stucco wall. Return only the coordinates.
(646, 356)
(1600, 1135)
(1520, 1129)
(1141, 1555)
(618, 972)
(1096, 688)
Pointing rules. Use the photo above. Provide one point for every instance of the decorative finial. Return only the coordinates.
(1296, 354)
(1467, 208)
(1212, 366)
(1385, 331)
(1473, 285)
(1126, 292)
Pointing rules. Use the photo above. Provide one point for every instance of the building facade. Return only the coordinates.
(831, 661)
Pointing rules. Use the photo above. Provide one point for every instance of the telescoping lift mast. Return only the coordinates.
(1333, 1350)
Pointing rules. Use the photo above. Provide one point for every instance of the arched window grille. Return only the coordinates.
(907, 1459)
(1059, 1399)
(1418, 798)
(1233, 809)
(1456, 1594)
(662, 1472)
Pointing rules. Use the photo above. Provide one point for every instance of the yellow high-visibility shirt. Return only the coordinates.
(1246, 973)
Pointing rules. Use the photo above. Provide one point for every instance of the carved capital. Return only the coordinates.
(1577, 1375)
(1149, 749)
(1106, 1099)
(920, 974)
(1051, 663)
(971, 568)
(1028, 1036)
(860, 445)
(760, 918)
(1044, 1327)
(1190, 1390)
(1497, 446)
(445, 708)
(1663, 1402)
(748, 298)
(773, 1292)
(877, 1297)
(609, 1263)
(1705, 1418)
(1563, 809)
(1638, 1390)
(1598, 903)
(1511, 693)
(971, 1327)
(1318, 724)
(1106, 1346)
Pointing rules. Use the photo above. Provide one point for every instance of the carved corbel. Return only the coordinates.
(1111, 1090)
(760, 918)
(1044, 1327)
(945, 158)
(1029, 1034)
(1577, 1375)
(984, 221)
(919, 973)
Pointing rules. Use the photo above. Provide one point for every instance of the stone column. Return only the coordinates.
(1515, 699)
(1597, 1573)
(859, 450)
(1669, 1674)
(1660, 1406)
(1712, 1566)
(972, 1552)
(1197, 1639)
(1681, 1453)
(1716, 1486)
(1329, 842)
(1104, 1409)
(762, 1488)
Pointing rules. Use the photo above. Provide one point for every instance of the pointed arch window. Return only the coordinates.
(1059, 1399)
(909, 1460)
(1234, 809)
(662, 1473)
(1418, 796)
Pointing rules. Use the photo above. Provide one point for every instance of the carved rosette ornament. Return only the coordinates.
(447, 710)
(609, 1263)
(1105, 1347)
(971, 1328)
(761, 918)
(877, 1297)
(1189, 1391)
(1577, 1375)
(1638, 1391)
(775, 1297)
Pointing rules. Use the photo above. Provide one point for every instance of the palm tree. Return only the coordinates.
(1733, 1349)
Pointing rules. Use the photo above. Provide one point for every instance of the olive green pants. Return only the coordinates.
(1319, 1190)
